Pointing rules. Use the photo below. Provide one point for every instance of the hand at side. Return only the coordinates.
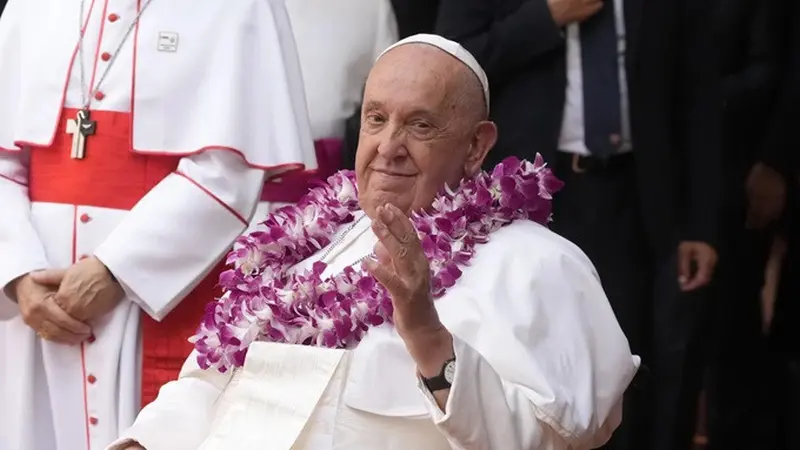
(565, 12)
(86, 291)
(41, 312)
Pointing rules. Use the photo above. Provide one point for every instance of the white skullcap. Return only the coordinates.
(453, 48)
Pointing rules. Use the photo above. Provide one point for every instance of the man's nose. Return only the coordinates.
(393, 143)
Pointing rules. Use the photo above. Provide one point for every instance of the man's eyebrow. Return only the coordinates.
(373, 104)
(423, 113)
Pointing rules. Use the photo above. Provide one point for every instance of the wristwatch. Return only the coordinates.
(445, 378)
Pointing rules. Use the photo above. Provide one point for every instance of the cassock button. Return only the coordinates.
(91, 339)
(91, 379)
(93, 420)
(113, 17)
(99, 96)
(85, 218)
(105, 56)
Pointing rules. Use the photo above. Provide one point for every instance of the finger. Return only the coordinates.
(684, 266)
(398, 251)
(61, 319)
(49, 277)
(382, 254)
(385, 276)
(51, 332)
(399, 225)
(62, 301)
(397, 233)
(701, 278)
(403, 229)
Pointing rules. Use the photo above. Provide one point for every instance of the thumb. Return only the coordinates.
(50, 277)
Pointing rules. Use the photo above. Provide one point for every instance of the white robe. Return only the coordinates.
(228, 100)
(541, 364)
(338, 42)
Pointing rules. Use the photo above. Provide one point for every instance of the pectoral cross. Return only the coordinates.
(80, 128)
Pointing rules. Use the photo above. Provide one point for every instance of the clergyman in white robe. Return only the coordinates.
(201, 103)
(542, 364)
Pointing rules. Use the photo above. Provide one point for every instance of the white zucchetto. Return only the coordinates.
(453, 48)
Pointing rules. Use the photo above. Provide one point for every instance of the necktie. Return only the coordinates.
(601, 90)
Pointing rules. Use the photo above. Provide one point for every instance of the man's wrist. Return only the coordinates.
(431, 351)
(11, 288)
(108, 271)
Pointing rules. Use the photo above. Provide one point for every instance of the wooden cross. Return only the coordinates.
(80, 128)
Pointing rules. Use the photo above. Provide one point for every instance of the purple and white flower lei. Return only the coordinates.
(262, 302)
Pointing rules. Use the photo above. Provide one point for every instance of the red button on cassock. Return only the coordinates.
(99, 96)
(85, 218)
(105, 56)
(113, 17)
(93, 420)
(91, 379)
(91, 339)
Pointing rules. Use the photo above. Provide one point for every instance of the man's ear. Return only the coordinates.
(483, 140)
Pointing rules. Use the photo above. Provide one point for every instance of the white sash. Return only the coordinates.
(258, 415)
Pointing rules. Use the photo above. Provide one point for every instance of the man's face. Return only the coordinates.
(412, 140)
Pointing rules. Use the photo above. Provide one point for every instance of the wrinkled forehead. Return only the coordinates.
(419, 76)
(453, 49)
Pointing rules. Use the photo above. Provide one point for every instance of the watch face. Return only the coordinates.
(450, 371)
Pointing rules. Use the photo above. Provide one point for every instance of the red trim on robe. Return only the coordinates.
(85, 398)
(13, 180)
(290, 188)
(211, 194)
(100, 43)
(112, 176)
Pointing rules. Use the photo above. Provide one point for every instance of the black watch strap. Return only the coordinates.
(442, 381)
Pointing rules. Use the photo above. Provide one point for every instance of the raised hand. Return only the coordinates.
(403, 269)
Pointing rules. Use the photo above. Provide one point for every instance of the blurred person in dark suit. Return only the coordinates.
(415, 16)
(747, 36)
(774, 191)
(622, 96)
(785, 332)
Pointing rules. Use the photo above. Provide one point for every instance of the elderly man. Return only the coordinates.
(520, 349)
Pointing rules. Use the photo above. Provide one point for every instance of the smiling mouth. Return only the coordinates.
(394, 174)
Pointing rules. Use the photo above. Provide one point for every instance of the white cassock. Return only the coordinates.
(338, 43)
(200, 102)
(541, 364)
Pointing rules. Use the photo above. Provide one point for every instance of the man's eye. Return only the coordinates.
(422, 126)
(374, 119)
